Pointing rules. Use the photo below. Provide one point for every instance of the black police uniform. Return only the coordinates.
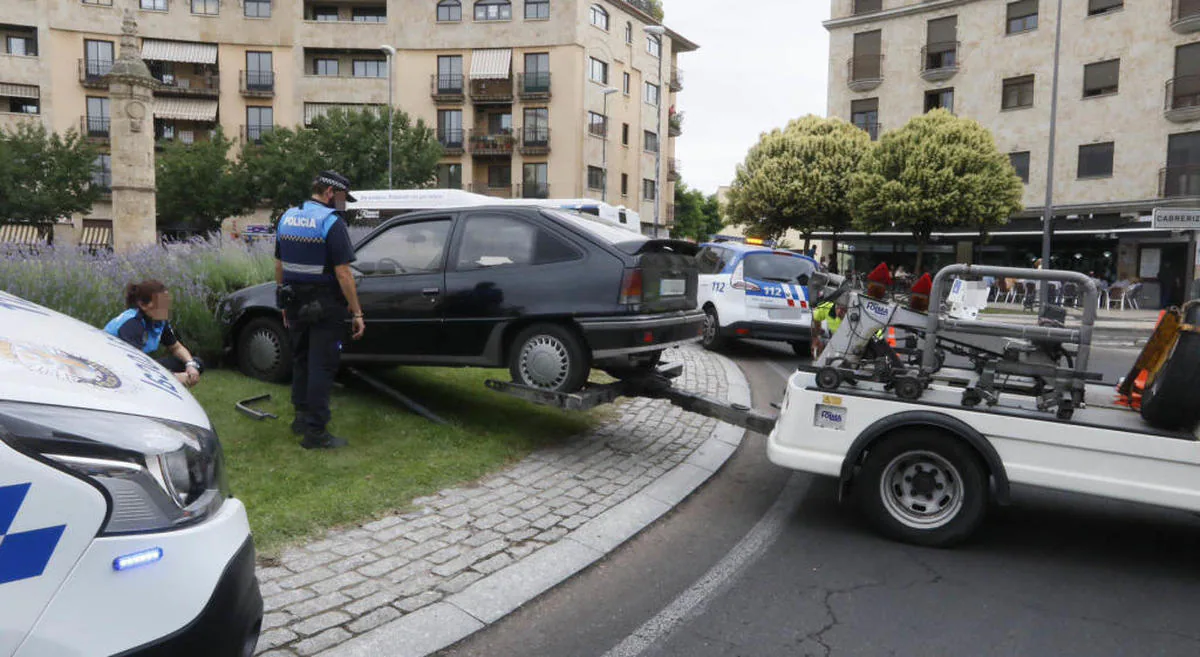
(310, 241)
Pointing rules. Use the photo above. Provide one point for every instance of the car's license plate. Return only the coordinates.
(785, 313)
(672, 287)
(830, 417)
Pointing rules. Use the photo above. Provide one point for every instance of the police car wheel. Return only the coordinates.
(550, 357)
(712, 338)
(263, 350)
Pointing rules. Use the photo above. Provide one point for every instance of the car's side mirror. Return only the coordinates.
(803, 279)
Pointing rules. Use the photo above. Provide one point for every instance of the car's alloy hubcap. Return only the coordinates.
(545, 362)
(921, 490)
(264, 349)
(710, 327)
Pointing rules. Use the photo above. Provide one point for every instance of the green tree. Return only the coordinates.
(939, 171)
(652, 7)
(697, 217)
(47, 176)
(798, 178)
(199, 186)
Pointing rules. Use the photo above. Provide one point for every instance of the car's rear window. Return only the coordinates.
(626, 240)
(777, 267)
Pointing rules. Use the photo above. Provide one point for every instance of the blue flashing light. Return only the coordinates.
(143, 558)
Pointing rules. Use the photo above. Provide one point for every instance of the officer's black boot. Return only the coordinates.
(322, 440)
(300, 424)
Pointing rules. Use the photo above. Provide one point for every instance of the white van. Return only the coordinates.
(117, 531)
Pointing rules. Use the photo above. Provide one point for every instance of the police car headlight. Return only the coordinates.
(155, 474)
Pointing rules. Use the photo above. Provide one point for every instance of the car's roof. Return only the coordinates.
(739, 247)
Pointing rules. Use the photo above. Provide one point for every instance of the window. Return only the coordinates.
(537, 72)
(418, 248)
(650, 141)
(652, 94)
(259, 121)
(599, 16)
(449, 11)
(449, 176)
(450, 74)
(369, 15)
(97, 116)
(154, 5)
(1184, 89)
(534, 181)
(257, 8)
(537, 10)
(864, 6)
(22, 106)
(867, 62)
(710, 261)
(625, 83)
(325, 67)
(595, 177)
(624, 184)
(1018, 92)
(260, 72)
(648, 191)
(1022, 16)
(865, 115)
(1097, 7)
(939, 98)
(493, 10)
(98, 58)
(450, 128)
(624, 134)
(23, 46)
(1096, 160)
(500, 123)
(500, 176)
(1020, 164)
(598, 71)
(537, 126)
(325, 14)
(497, 241)
(102, 171)
(206, 7)
(597, 124)
(1182, 175)
(628, 32)
(654, 45)
(370, 68)
(941, 43)
(1101, 78)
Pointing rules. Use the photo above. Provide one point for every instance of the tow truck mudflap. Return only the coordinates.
(652, 384)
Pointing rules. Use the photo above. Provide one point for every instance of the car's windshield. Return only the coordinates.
(777, 267)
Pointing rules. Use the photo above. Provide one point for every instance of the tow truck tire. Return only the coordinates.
(923, 487)
(1170, 400)
(712, 338)
(264, 350)
(550, 357)
(828, 378)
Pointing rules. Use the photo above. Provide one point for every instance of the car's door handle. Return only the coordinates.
(431, 291)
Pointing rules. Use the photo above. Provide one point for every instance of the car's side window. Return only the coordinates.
(417, 248)
(495, 241)
(727, 258)
(709, 260)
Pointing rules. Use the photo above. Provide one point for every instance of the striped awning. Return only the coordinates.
(22, 234)
(179, 51)
(186, 109)
(491, 64)
(314, 111)
(96, 233)
(19, 90)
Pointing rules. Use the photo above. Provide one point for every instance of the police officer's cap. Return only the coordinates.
(337, 181)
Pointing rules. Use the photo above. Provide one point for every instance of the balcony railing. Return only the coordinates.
(864, 72)
(536, 190)
(487, 143)
(1182, 102)
(675, 124)
(939, 61)
(533, 86)
(535, 141)
(670, 214)
(446, 88)
(676, 80)
(451, 141)
(1179, 181)
(92, 72)
(208, 85)
(872, 129)
(253, 133)
(95, 127)
(488, 189)
(492, 91)
(1185, 16)
(673, 169)
(257, 83)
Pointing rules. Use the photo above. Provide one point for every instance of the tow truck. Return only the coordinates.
(924, 449)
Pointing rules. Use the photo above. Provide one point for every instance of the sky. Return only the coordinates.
(760, 64)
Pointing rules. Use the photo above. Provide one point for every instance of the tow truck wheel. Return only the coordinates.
(550, 357)
(828, 378)
(264, 351)
(923, 487)
(712, 339)
(908, 388)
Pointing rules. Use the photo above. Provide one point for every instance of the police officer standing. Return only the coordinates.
(316, 289)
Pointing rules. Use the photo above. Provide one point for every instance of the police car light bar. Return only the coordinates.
(137, 559)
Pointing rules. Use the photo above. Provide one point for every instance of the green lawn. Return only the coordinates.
(393, 457)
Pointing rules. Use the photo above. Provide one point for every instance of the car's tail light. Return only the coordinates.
(739, 282)
(631, 287)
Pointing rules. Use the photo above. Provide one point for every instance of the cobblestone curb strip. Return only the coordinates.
(411, 585)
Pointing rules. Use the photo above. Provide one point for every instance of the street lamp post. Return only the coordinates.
(1048, 210)
(658, 31)
(391, 55)
(608, 91)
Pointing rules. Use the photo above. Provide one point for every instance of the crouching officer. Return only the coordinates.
(317, 294)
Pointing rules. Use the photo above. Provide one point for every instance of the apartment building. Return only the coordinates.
(1128, 120)
(530, 98)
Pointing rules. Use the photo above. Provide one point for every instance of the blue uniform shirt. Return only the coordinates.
(143, 333)
(310, 241)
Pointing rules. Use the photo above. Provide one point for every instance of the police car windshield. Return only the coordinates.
(777, 267)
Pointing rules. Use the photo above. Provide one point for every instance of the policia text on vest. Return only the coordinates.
(317, 295)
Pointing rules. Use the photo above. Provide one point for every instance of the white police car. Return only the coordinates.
(117, 532)
(752, 291)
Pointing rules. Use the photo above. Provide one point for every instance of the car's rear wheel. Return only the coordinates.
(712, 338)
(549, 357)
(264, 350)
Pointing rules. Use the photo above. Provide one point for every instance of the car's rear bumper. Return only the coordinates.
(620, 336)
(768, 331)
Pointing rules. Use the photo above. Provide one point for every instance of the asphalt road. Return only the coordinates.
(762, 561)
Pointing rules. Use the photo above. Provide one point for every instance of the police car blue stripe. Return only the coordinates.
(23, 555)
(11, 498)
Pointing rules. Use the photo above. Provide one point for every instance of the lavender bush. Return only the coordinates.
(91, 287)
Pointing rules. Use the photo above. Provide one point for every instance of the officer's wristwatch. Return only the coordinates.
(192, 364)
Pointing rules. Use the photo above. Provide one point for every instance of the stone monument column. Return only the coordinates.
(131, 94)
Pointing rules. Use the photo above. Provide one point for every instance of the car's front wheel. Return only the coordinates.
(264, 351)
(549, 357)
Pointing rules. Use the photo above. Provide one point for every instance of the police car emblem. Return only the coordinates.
(49, 361)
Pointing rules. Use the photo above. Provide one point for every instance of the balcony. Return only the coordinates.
(534, 86)
(253, 133)
(864, 72)
(451, 141)
(490, 189)
(492, 91)
(1182, 102)
(204, 85)
(184, 132)
(486, 143)
(676, 83)
(92, 73)
(939, 61)
(446, 88)
(1185, 16)
(675, 124)
(674, 167)
(1179, 181)
(257, 84)
(537, 190)
(95, 127)
(535, 141)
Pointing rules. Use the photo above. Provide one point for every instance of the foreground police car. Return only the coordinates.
(749, 291)
(117, 534)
